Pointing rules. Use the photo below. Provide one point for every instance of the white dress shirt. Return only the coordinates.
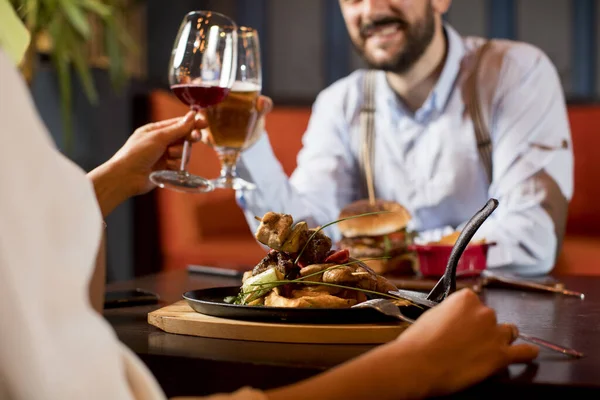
(53, 345)
(428, 161)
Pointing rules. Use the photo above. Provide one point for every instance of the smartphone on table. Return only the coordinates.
(129, 298)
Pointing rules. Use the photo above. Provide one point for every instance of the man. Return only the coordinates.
(429, 152)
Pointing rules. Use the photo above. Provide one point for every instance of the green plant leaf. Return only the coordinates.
(67, 23)
(19, 7)
(113, 49)
(77, 18)
(125, 39)
(29, 11)
(60, 58)
(97, 7)
(85, 76)
(77, 54)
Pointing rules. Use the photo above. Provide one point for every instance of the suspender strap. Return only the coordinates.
(482, 134)
(367, 133)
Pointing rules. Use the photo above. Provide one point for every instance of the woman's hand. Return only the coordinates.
(449, 348)
(152, 147)
(463, 343)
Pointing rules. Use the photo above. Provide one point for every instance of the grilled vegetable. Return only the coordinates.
(255, 286)
(297, 238)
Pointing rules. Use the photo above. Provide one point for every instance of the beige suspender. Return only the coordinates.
(482, 134)
(367, 132)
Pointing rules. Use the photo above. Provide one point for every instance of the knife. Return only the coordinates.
(516, 282)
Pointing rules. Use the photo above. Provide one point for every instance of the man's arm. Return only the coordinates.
(323, 180)
(532, 165)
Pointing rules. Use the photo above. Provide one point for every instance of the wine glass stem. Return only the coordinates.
(184, 156)
(228, 159)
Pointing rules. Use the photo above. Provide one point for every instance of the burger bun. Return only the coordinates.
(394, 219)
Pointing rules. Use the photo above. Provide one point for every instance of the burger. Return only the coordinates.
(380, 236)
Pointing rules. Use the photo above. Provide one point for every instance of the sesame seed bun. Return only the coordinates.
(394, 220)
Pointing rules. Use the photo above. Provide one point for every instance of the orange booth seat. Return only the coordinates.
(210, 229)
(580, 254)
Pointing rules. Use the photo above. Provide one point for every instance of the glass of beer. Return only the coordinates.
(231, 123)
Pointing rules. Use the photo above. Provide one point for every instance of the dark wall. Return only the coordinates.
(163, 22)
(98, 131)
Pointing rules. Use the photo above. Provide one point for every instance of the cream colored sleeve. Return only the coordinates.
(144, 386)
(141, 382)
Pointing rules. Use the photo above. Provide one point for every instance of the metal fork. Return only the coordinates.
(386, 307)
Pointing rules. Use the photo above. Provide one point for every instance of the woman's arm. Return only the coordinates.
(151, 147)
(438, 355)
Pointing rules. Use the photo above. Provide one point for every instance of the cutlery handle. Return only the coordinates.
(543, 343)
(447, 283)
(531, 285)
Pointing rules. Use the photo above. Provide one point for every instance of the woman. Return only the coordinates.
(53, 345)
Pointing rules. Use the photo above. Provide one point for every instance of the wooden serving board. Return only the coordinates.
(179, 318)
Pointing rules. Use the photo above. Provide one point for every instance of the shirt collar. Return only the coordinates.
(441, 92)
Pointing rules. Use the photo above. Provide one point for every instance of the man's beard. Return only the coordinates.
(417, 38)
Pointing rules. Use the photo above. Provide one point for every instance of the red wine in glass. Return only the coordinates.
(199, 96)
(202, 70)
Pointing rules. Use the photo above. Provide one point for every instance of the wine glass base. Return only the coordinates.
(181, 181)
(232, 183)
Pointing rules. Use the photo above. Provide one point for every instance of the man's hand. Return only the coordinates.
(152, 147)
(264, 105)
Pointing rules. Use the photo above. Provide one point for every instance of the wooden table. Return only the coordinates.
(187, 365)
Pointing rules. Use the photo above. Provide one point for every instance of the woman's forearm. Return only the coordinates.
(388, 372)
(111, 189)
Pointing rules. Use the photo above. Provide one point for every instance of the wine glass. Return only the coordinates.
(201, 72)
(231, 123)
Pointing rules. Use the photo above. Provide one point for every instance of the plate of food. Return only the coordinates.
(301, 279)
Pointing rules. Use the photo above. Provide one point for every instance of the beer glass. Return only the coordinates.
(231, 122)
(201, 72)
